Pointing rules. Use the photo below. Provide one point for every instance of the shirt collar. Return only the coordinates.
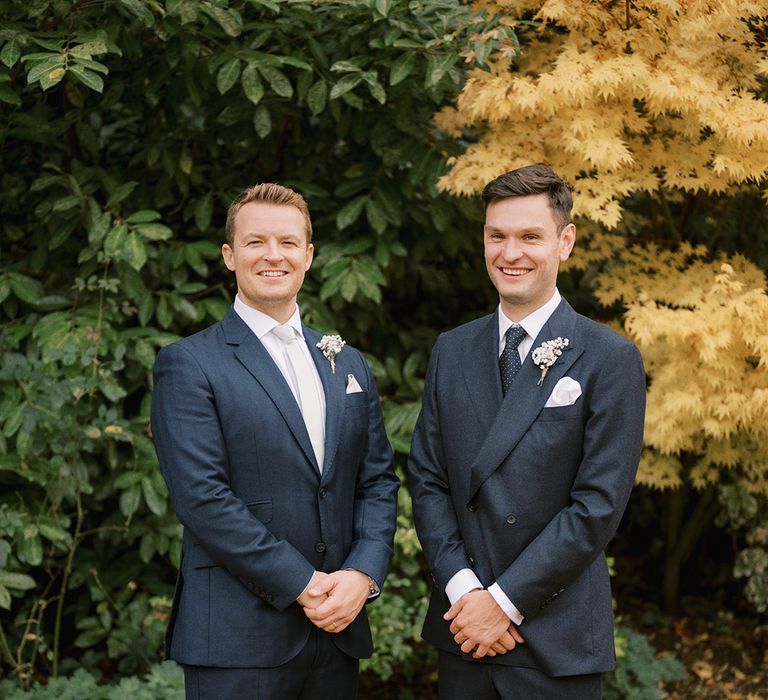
(534, 321)
(261, 323)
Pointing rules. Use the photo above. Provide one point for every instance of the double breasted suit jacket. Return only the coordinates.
(529, 496)
(258, 515)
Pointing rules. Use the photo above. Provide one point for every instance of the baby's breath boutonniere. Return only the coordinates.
(546, 355)
(331, 346)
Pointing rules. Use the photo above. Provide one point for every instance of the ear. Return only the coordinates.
(567, 240)
(310, 256)
(229, 257)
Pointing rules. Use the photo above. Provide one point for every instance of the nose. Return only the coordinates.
(511, 249)
(272, 251)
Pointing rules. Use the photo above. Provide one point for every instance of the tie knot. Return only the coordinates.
(514, 336)
(285, 332)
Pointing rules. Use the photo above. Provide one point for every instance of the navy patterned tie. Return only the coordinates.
(509, 361)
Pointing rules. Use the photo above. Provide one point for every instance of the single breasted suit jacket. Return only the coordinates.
(258, 515)
(528, 496)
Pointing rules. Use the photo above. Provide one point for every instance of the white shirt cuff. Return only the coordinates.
(505, 603)
(463, 581)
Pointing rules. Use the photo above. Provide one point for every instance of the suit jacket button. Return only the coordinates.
(322, 492)
(320, 547)
(511, 519)
(472, 506)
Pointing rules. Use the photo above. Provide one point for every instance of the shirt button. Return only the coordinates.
(511, 519)
(320, 547)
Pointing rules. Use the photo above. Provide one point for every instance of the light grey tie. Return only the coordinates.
(309, 399)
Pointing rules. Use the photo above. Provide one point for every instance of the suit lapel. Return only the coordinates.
(525, 398)
(256, 359)
(335, 392)
(480, 367)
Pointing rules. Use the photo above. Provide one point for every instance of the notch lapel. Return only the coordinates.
(525, 398)
(480, 368)
(256, 359)
(335, 393)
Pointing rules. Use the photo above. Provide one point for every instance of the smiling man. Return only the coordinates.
(521, 465)
(272, 444)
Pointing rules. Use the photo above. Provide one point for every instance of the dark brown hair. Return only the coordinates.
(538, 178)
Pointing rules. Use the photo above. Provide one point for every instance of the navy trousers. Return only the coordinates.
(318, 672)
(459, 679)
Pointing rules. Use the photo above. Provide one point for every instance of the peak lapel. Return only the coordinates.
(335, 392)
(525, 398)
(480, 368)
(254, 357)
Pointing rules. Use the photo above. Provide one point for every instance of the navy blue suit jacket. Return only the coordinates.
(529, 496)
(258, 516)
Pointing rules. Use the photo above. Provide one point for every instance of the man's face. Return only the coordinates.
(523, 250)
(269, 256)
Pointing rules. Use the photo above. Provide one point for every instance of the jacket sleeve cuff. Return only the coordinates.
(505, 603)
(463, 581)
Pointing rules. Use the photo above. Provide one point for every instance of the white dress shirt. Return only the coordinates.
(466, 580)
(262, 324)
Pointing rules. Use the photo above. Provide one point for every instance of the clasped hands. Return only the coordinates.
(480, 626)
(332, 601)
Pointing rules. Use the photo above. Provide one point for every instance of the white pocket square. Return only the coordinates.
(565, 393)
(352, 386)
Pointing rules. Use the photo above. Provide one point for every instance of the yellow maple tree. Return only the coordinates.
(619, 97)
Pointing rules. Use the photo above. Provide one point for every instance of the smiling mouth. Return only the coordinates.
(514, 271)
(272, 273)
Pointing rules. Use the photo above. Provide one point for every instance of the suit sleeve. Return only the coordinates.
(189, 442)
(433, 510)
(375, 514)
(613, 438)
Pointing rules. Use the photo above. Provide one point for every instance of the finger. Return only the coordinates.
(455, 627)
(516, 634)
(482, 651)
(468, 646)
(460, 638)
(453, 610)
(507, 641)
(498, 648)
(322, 587)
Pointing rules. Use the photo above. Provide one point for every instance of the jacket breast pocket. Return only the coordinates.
(357, 400)
(571, 412)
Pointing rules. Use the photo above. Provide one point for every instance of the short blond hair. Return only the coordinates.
(269, 192)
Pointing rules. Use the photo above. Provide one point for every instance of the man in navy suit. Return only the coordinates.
(522, 462)
(272, 444)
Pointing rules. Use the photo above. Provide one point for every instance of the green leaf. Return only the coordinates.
(5, 598)
(229, 20)
(383, 7)
(30, 550)
(10, 52)
(9, 96)
(88, 49)
(5, 288)
(351, 211)
(346, 66)
(129, 500)
(277, 81)
(295, 62)
(25, 288)
(204, 211)
(115, 239)
(66, 203)
(347, 83)
(262, 122)
(437, 67)
(349, 286)
(121, 193)
(144, 353)
(134, 253)
(402, 68)
(140, 10)
(155, 501)
(52, 533)
(228, 75)
(375, 87)
(143, 216)
(317, 97)
(88, 78)
(376, 216)
(155, 232)
(53, 64)
(253, 88)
